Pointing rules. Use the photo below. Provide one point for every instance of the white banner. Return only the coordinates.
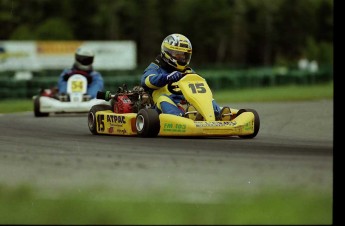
(18, 56)
(37, 55)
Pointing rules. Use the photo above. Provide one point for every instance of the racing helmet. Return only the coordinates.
(176, 50)
(84, 59)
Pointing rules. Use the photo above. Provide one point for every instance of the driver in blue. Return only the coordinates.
(169, 66)
(82, 65)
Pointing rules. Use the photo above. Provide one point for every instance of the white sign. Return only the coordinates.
(30, 55)
(114, 55)
(18, 56)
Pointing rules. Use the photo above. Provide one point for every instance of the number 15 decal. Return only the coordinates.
(197, 88)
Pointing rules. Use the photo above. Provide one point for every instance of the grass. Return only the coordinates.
(22, 205)
(16, 105)
(278, 93)
(268, 94)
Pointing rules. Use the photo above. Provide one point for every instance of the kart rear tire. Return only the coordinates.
(91, 117)
(147, 123)
(37, 111)
(256, 123)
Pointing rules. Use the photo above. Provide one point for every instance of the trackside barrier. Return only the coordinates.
(217, 79)
(238, 79)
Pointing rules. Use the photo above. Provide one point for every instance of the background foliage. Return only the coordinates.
(236, 33)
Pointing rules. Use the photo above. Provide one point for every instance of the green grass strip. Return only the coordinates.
(21, 205)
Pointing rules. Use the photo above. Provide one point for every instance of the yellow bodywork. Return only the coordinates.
(111, 123)
(172, 125)
(198, 94)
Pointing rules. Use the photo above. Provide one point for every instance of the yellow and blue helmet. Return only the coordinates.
(176, 50)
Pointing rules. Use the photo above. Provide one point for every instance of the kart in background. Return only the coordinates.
(74, 101)
(132, 113)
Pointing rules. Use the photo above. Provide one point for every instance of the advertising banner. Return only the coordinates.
(18, 56)
(38, 55)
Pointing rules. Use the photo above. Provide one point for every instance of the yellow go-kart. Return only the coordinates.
(132, 113)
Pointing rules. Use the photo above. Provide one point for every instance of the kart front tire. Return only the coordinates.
(147, 123)
(91, 118)
(37, 111)
(256, 123)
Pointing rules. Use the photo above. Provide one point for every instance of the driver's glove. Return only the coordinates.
(174, 76)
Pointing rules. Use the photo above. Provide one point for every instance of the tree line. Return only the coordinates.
(231, 33)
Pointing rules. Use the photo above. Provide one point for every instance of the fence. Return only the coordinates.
(13, 86)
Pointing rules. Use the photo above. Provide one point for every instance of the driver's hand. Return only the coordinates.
(174, 76)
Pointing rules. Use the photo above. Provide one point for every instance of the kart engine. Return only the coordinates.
(123, 104)
(127, 101)
(130, 101)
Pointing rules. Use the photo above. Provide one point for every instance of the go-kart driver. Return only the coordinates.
(82, 65)
(169, 66)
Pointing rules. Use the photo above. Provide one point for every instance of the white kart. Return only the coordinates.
(74, 101)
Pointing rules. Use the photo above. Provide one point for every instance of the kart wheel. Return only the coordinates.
(91, 118)
(147, 123)
(37, 111)
(256, 123)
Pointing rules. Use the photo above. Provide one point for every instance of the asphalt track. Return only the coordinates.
(293, 149)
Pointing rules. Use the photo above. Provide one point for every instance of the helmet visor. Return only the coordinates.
(182, 58)
(85, 60)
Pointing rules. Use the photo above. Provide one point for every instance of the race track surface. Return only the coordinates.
(293, 149)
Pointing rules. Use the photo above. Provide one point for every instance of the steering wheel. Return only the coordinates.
(173, 88)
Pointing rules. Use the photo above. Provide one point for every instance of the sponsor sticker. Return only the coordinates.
(214, 124)
(116, 119)
(170, 127)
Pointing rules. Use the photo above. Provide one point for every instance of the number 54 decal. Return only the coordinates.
(77, 86)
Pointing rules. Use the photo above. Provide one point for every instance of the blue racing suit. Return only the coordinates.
(95, 81)
(155, 82)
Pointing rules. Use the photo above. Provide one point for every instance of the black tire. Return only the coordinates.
(256, 123)
(91, 117)
(37, 111)
(147, 123)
